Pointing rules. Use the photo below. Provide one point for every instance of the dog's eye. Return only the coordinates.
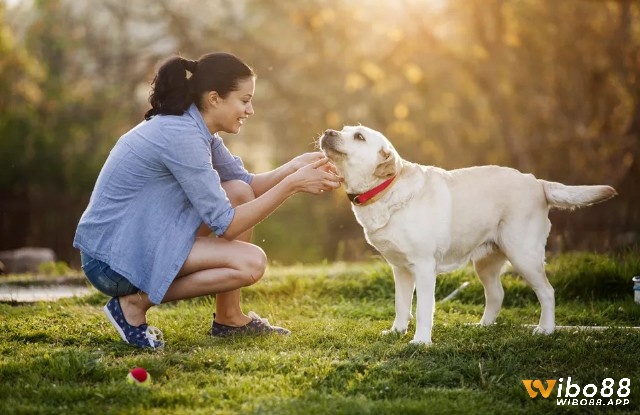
(358, 136)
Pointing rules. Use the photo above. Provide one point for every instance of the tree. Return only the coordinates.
(550, 88)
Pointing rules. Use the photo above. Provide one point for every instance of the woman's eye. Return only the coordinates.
(358, 136)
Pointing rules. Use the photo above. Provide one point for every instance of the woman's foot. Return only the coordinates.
(143, 335)
(236, 319)
(134, 308)
(256, 326)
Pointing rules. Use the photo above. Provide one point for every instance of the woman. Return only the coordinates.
(168, 184)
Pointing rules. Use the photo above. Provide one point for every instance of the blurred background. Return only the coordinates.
(548, 87)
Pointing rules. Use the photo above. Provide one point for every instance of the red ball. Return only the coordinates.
(139, 374)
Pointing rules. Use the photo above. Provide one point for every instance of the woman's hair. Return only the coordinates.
(172, 91)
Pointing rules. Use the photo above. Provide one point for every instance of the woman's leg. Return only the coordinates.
(214, 266)
(228, 310)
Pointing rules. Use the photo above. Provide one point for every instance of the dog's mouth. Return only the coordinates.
(332, 152)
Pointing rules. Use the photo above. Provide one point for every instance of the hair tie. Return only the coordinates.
(190, 65)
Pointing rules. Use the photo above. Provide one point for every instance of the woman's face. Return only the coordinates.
(230, 112)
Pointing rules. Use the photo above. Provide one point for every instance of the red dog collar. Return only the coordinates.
(370, 195)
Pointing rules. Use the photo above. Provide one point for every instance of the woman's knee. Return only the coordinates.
(254, 265)
(238, 192)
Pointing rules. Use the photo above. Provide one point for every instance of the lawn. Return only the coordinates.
(64, 357)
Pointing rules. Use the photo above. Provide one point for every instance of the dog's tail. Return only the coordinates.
(570, 197)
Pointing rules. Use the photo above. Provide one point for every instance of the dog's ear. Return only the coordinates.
(387, 168)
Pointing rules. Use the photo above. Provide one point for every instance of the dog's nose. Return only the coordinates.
(330, 132)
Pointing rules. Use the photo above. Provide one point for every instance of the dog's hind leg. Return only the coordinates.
(530, 264)
(489, 269)
(523, 242)
(405, 285)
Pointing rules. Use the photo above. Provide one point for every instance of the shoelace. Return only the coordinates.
(155, 336)
(254, 316)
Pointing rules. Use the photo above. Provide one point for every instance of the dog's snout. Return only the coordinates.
(330, 140)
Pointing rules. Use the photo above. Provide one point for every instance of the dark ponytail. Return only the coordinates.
(172, 92)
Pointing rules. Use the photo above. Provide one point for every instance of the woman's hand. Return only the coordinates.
(315, 177)
(307, 158)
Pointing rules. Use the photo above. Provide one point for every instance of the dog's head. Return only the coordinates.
(363, 157)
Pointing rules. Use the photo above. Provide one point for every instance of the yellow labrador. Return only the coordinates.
(425, 221)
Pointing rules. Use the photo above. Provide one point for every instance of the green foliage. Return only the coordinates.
(588, 275)
(65, 356)
(56, 268)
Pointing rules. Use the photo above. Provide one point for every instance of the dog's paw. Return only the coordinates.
(420, 342)
(543, 331)
(394, 330)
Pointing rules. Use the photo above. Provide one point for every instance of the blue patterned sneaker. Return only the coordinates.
(257, 325)
(143, 336)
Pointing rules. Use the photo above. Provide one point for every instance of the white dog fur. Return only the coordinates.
(431, 221)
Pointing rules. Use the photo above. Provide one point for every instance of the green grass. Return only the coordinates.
(64, 357)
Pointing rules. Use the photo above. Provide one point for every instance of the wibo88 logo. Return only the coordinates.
(608, 393)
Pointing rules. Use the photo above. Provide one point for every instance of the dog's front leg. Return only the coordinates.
(425, 277)
(405, 284)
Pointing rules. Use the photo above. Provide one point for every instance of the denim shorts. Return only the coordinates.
(106, 280)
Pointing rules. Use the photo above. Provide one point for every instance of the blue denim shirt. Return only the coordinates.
(161, 181)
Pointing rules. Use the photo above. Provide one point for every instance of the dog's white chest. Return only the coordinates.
(394, 251)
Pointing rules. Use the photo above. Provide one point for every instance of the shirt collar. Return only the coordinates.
(194, 112)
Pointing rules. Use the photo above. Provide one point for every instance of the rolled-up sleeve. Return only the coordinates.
(190, 162)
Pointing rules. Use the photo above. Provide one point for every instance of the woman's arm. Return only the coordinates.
(311, 178)
(262, 182)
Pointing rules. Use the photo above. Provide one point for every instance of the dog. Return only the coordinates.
(425, 221)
